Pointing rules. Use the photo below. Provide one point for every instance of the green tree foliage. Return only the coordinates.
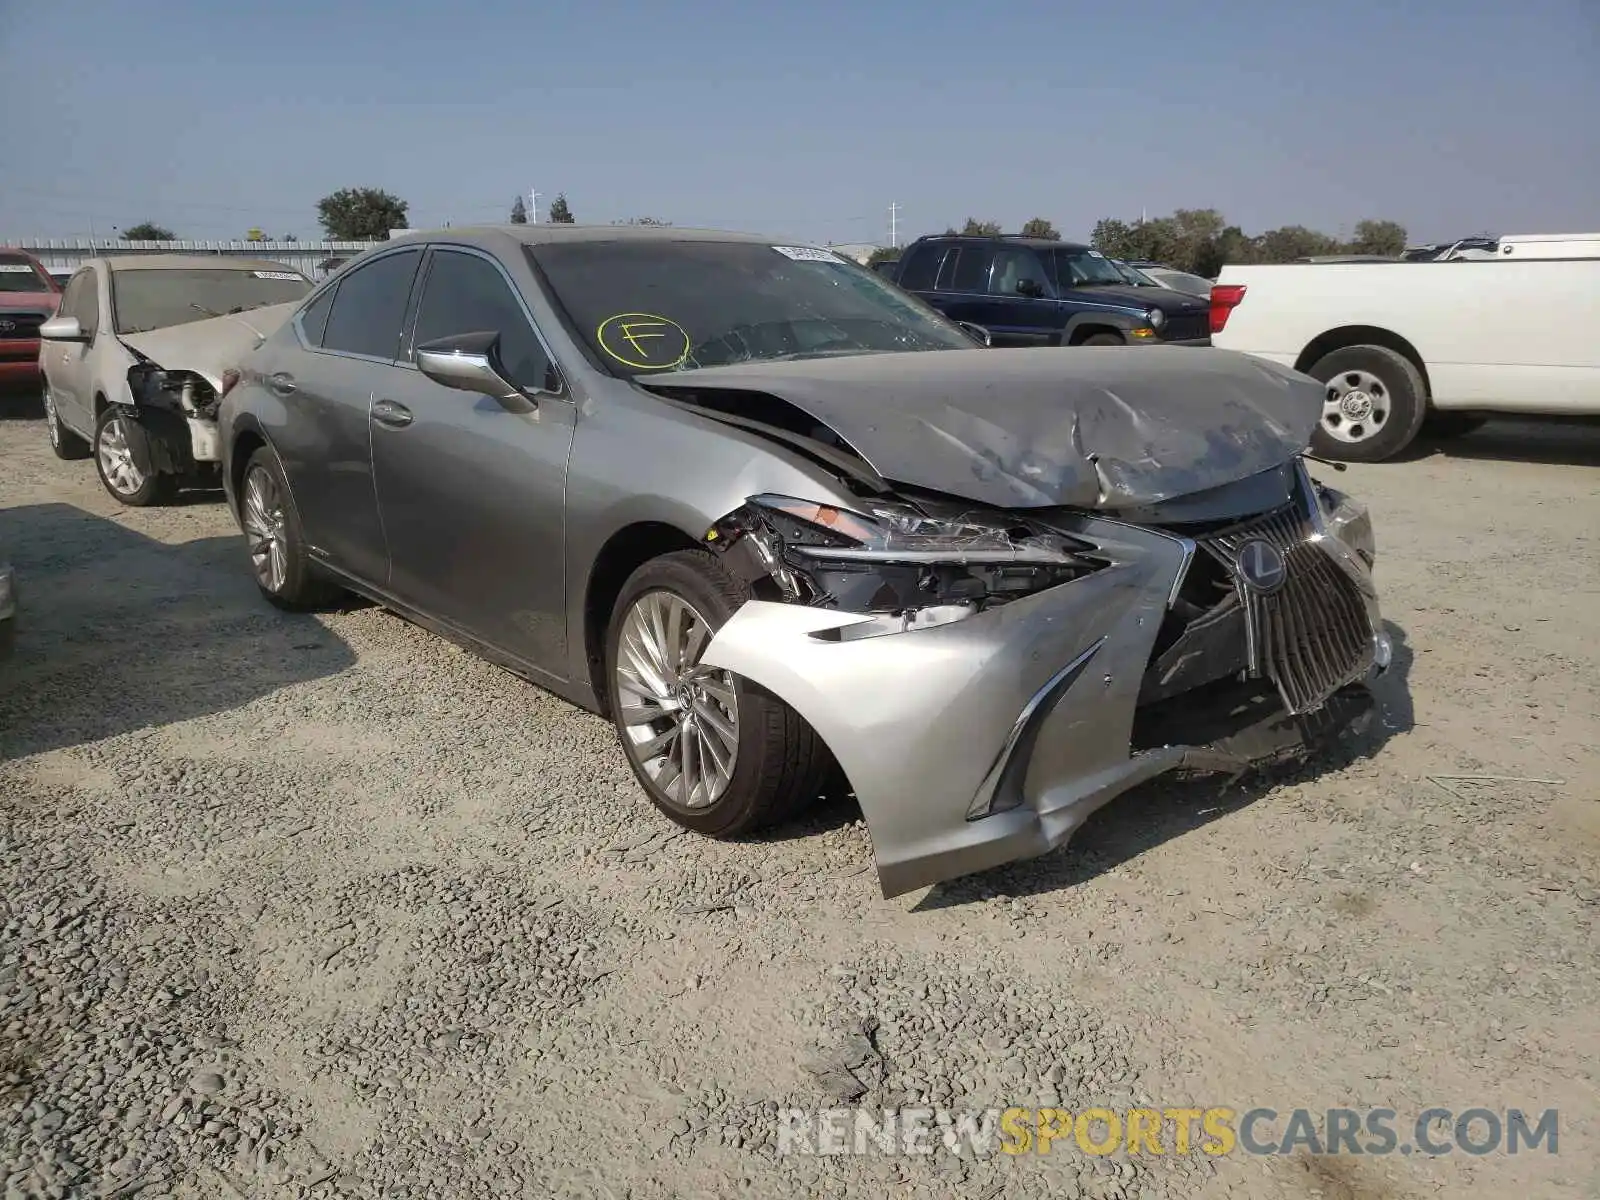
(361, 214)
(519, 212)
(1199, 240)
(1040, 227)
(148, 231)
(561, 212)
(977, 228)
(882, 254)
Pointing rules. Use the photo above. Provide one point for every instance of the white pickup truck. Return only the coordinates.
(1398, 343)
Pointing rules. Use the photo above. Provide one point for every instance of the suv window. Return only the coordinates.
(371, 305)
(1013, 267)
(921, 268)
(963, 269)
(467, 294)
(314, 320)
(81, 300)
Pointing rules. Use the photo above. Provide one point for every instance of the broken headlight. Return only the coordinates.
(1348, 520)
(921, 565)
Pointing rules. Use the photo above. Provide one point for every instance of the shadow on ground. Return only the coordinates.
(1555, 441)
(18, 403)
(118, 632)
(1164, 809)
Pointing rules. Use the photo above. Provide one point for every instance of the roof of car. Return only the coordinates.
(191, 262)
(1020, 239)
(550, 234)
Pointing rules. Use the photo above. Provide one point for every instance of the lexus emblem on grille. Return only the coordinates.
(8, 326)
(1261, 566)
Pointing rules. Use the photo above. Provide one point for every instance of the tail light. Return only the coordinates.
(229, 378)
(1225, 297)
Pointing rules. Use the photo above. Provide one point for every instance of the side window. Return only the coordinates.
(963, 269)
(1015, 270)
(467, 294)
(921, 269)
(314, 321)
(370, 306)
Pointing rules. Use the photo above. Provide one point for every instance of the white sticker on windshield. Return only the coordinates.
(275, 275)
(806, 254)
(16, 268)
(1095, 254)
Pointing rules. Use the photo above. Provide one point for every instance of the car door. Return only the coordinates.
(471, 488)
(344, 349)
(1019, 308)
(67, 365)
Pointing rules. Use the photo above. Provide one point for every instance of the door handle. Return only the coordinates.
(387, 412)
(282, 383)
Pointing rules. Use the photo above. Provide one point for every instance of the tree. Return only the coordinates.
(148, 231)
(519, 212)
(561, 212)
(1040, 227)
(977, 228)
(254, 235)
(288, 237)
(882, 254)
(1379, 237)
(361, 214)
(1292, 242)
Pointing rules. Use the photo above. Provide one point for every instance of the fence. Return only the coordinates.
(311, 259)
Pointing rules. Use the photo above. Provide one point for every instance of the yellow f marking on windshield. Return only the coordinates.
(643, 341)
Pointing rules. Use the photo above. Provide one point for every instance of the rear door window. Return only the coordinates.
(370, 306)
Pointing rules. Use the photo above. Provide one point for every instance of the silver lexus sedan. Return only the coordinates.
(769, 513)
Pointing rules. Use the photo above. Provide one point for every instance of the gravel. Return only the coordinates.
(326, 906)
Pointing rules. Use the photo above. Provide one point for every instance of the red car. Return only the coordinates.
(27, 297)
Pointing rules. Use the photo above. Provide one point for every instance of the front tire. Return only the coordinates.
(120, 473)
(1373, 404)
(63, 441)
(278, 558)
(713, 751)
(1103, 339)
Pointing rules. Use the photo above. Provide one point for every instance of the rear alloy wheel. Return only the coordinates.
(716, 753)
(272, 532)
(1373, 403)
(63, 441)
(119, 468)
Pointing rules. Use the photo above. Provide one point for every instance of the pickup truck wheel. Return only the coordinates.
(1373, 403)
(1102, 339)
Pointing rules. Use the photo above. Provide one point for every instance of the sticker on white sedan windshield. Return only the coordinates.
(806, 254)
(1095, 254)
(275, 275)
(16, 269)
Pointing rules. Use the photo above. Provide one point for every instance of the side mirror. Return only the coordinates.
(1030, 288)
(62, 329)
(468, 362)
(977, 332)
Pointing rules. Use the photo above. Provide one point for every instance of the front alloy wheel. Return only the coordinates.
(680, 721)
(119, 467)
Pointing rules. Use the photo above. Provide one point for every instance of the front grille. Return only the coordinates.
(1312, 635)
(1183, 327)
(20, 324)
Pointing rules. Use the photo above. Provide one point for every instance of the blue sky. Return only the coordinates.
(803, 119)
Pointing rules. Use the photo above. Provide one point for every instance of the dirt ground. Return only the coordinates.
(324, 906)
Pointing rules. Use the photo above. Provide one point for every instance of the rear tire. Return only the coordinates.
(778, 763)
(1374, 402)
(63, 441)
(278, 558)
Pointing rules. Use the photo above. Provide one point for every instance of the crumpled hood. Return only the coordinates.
(1087, 427)
(211, 346)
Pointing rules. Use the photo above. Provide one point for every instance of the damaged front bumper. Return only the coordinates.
(992, 738)
(174, 418)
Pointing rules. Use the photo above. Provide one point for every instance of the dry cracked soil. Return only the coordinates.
(324, 906)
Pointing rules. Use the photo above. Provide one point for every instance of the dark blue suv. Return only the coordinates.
(1033, 292)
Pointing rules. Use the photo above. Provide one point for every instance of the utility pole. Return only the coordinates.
(533, 206)
(894, 226)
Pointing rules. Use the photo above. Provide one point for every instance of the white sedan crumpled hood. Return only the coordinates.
(211, 346)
